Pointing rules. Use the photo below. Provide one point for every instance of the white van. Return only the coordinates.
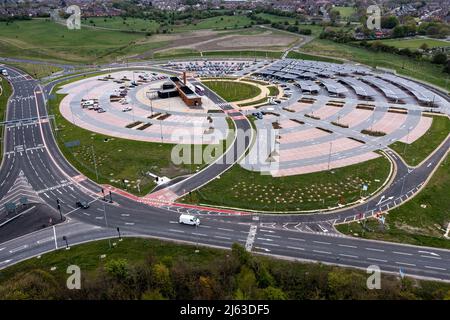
(5, 72)
(189, 219)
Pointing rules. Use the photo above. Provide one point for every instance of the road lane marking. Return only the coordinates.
(127, 215)
(406, 264)
(348, 255)
(272, 236)
(44, 240)
(199, 234)
(251, 238)
(347, 246)
(296, 239)
(174, 230)
(429, 257)
(373, 249)
(402, 253)
(321, 242)
(295, 248)
(429, 252)
(225, 229)
(5, 262)
(1, 249)
(18, 248)
(271, 244)
(220, 237)
(129, 223)
(264, 239)
(435, 268)
(318, 251)
(374, 259)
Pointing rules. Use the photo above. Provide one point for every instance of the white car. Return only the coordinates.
(189, 219)
(127, 108)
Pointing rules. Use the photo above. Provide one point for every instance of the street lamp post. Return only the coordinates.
(59, 209)
(67, 242)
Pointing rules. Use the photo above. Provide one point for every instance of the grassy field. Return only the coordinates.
(5, 94)
(216, 23)
(233, 91)
(176, 53)
(273, 91)
(420, 149)
(37, 71)
(116, 158)
(40, 39)
(275, 18)
(251, 190)
(119, 23)
(304, 56)
(420, 221)
(345, 12)
(421, 70)
(136, 269)
(415, 43)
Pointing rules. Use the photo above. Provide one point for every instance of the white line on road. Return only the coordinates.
(348, 255)
(18, 248)
(174, 230)
(295, 248)
(318, 251)
(199, 234)
(44, 240)
(435, 268)
(406, 264)
(296, 239)
(321, 242)
(429, 257)
(346, 245)
(373, 249)
(5, 262)
(129, 223)
(54, 237)
(378, 260)
(271, 244)
(402, 253)
(225, 229)
(220, 237)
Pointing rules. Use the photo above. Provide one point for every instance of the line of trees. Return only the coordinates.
(220, 275)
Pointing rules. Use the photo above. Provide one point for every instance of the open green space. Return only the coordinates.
(216, 23)
(304, 56)
(415, 43)
(320, 190)
(122, 23)
(116, 160)
(5, 93)
(345, 12)
(147, 269)
(176, 53)
(422, 70)
(420, 149)
(420, 221)
(275, 18)
(273, 91)
(37, 71)
(232, 90)
(42, 39)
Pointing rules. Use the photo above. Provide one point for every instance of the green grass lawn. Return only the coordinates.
(345, 12)
(412, 223)
(233, 91)
(116, 158)
(119, 23)
(273, 91)
(420, 149)
(176, 53)
(422, 70)
(415, 43)
(251, 190)
(304, 56)
(5, 94)
(42, 39)
(216, 23)
(275, 18)
(37, 71)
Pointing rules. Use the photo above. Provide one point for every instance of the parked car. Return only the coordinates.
(127, 108)
(101, 110)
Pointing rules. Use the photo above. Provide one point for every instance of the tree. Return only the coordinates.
(447, 67)
(161, 279)
(117, 268)
(240, 254)
(272, 293)
(424, 46)
(389, 22)
(439, 58)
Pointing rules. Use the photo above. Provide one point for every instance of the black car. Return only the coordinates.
(82, 204)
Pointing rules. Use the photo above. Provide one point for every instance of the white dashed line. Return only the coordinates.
(373, 249)
(435, 268)
(406, 264)
(378, 260)
(318, 251)
(402, 253)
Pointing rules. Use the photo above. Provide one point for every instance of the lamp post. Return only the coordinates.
(59, 208)
(67, 242)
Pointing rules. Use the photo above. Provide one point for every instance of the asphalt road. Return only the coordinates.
(30, 147)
